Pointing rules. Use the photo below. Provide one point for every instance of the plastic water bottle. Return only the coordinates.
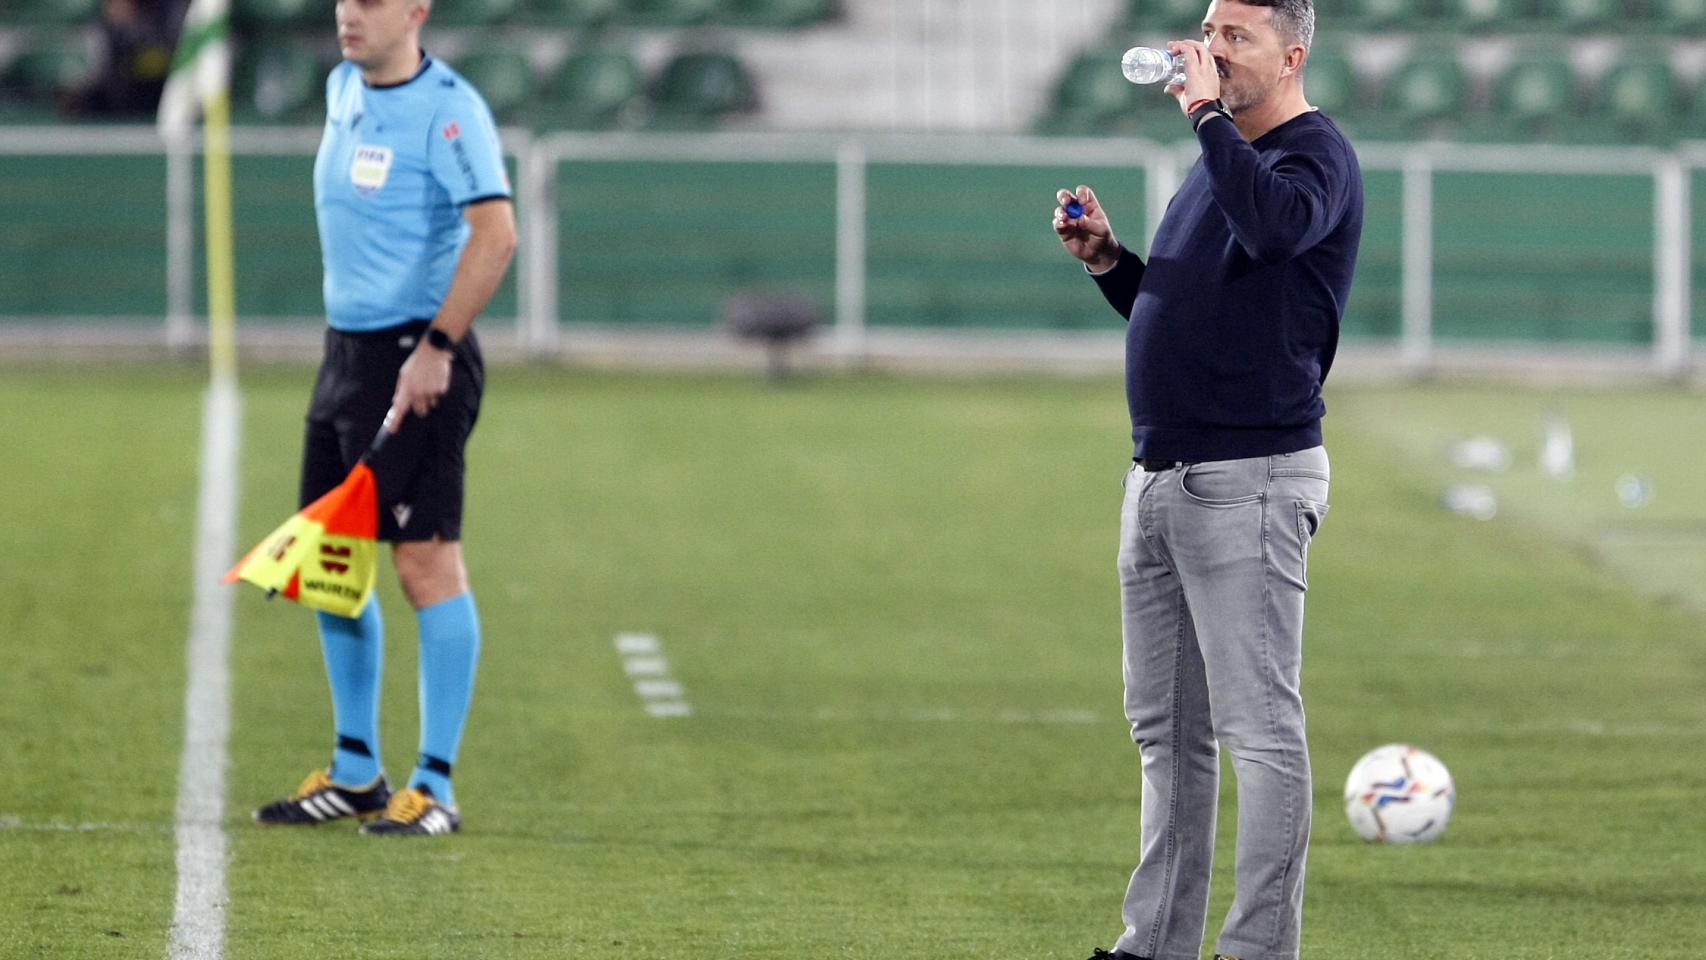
(1149, 65)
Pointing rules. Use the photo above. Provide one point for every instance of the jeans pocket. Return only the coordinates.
(1310, 513)
(1225, 483)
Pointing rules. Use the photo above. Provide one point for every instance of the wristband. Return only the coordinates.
(1208, 109)
(440, 339)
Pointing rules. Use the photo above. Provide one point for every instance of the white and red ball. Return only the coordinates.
(1399, 794)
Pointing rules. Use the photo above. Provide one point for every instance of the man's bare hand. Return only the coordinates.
(1202, 75)
(424, 378)
(1089, 237)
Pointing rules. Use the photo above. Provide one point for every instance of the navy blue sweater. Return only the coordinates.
(1233, 321)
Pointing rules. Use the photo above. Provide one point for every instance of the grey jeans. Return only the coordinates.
(1213, 567)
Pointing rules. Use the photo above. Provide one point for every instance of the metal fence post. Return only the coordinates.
(1670, 266)
(1417, 286)
(850, 249)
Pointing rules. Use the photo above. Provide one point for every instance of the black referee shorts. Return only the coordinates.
(420, 470)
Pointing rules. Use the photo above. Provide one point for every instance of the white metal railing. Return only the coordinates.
(539, 320)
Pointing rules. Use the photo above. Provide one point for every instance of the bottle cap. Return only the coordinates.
(1074, 209)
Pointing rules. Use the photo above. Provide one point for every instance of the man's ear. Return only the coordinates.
(418, 11)
(1295, 57)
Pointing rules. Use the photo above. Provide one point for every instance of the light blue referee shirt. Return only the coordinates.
(396, 166)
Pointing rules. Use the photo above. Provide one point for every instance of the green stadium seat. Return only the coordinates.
(775, 14)
(667, 13)
(696, 89)
(1472, 16)
(574, 13)
(503, 77)
(277, 82)
(1696, 117)
(1424, 97)
(283, 14)
(71, 13)
(1535, 95)
(473, 13)
(47, 69)
(1379, 13)
(590, 90)
(1581, 15)
(1638, 98)
(1093, 86)
(1678, 16)
(1092, 98)
(1330, 83)
(1175, 18)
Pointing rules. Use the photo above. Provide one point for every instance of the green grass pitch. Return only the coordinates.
(892, 606)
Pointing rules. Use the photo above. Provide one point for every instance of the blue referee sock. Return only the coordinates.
(450, 649)
(355, 652)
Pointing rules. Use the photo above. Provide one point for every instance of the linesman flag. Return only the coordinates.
(326, 556)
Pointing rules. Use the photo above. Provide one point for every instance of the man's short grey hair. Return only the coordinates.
(1294, 19)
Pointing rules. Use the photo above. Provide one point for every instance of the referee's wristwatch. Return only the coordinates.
(440, 339)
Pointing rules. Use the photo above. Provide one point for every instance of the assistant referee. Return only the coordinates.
(417, 230)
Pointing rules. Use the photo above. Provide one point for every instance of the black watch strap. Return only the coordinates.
(1207, 110)
(439, 339)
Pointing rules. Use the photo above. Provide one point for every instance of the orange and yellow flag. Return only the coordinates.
(324, 557)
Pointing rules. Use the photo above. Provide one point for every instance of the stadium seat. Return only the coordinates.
(696, 89)
(1638, 98)
(574, 13)
(503, 77)
(777, 14)
(472, 13)
(590, 89)
(282, 14)
(59, 12)
(1093, 99)
(1581, 15)
(46, 70)
(1175, 18)
(1696, 122)
(1330, 83)
(1472, 16)
(666, 13)
(1679, 16)
(1534, 96)
(1379, 13)
(1424, 97)
(278, 83)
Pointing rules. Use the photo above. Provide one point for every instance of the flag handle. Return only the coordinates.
(394, 415)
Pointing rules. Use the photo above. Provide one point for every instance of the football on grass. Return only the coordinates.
(1399, 794)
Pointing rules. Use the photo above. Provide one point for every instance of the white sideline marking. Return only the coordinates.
(628, 643)
(657, 689)
(198, 918)
(646, 666)
(642, 658)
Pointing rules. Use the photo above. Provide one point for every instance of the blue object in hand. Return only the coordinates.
(1074, 209)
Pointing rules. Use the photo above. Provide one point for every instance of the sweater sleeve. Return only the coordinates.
(1280, 210)
(1119, 283)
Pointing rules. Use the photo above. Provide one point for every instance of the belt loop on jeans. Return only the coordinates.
(1153, 465)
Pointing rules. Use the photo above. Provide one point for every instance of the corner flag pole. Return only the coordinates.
(200, 83)
(221, 247)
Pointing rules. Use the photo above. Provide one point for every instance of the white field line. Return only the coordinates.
(198, 918)
(642, 659)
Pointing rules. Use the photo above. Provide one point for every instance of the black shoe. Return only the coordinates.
(414, 812)
(319, 800)
(1101, 954)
